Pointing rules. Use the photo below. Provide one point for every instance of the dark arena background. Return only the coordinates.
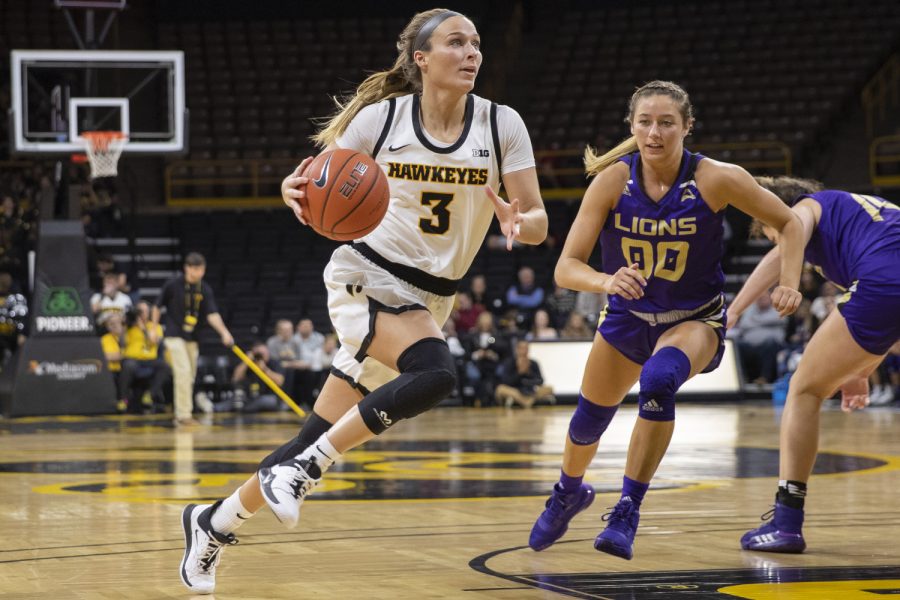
(212, 104)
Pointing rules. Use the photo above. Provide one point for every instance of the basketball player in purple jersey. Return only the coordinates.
(854, 241)
(658, 211)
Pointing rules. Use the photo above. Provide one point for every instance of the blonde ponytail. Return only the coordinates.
(593, 164)
(402, 78)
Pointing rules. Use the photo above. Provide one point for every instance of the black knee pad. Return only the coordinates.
(427, 376)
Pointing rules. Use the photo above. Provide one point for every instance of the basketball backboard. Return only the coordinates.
(58, 94)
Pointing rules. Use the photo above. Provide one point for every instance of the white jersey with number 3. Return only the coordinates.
(439, 212)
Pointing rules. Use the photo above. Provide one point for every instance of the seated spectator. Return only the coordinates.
(112, 343)
(760, 334)
(823, 304)
(284, 348)
(521, 381)
(540, 328)
(576, 328)
(526, 295)
(485, 347)
(810, 284)
(13, 318)
(465, 313)
(560, 303)
(480, 297)
(321, 362)
(589, 305)
(251, 392)
(110, 301)
(308, 338)
(143, 361)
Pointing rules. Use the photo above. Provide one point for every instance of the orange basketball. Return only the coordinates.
(347, 194)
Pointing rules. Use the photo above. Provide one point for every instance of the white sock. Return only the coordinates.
(231, 514)
(323, 451)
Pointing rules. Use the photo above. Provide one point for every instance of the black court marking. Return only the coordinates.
(697, 585)
(395, 470)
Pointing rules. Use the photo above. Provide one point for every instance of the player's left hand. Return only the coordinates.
(508, 215)
(785, 300)
(855, 393)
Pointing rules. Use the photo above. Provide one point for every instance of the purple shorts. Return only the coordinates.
(872, 312)
(636, 338)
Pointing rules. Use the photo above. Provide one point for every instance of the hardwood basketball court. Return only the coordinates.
(441, 507)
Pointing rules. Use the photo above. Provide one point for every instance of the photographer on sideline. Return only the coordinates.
(256, 394)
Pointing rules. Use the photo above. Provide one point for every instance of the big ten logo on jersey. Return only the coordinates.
(356, 174)
(481, 153)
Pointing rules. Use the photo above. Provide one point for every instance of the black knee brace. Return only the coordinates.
(427, 376)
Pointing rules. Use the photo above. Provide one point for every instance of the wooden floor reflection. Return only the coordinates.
(441, 507)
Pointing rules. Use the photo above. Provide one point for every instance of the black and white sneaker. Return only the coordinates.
(203, 548)
(285, 486)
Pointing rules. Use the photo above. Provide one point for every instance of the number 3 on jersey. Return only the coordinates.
(439, 221)
(669, 262)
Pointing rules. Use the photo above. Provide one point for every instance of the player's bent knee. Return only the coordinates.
(427, 376)
(661, 377)
(589, 421)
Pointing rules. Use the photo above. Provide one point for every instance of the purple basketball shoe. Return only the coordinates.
(618, 537)
(781, 534)
(560, 509)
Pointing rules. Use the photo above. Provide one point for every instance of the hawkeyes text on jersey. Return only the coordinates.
(437, 173)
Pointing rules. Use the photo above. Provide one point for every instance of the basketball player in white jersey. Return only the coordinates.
(445, 152)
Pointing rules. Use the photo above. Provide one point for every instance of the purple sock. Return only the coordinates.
(569, 484)
(634, 490)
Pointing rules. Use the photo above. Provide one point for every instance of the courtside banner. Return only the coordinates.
(62, 292)
(61, 369)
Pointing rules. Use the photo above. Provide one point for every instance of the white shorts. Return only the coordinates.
(357, 290)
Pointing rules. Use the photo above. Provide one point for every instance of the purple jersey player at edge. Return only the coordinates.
(658, 212)
(854, 241)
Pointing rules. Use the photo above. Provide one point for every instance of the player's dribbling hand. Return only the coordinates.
(293, 189)
(508, 215)
(855, 393)
(626, 282)
(785, 300)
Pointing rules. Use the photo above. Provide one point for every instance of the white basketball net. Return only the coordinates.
(103, 150)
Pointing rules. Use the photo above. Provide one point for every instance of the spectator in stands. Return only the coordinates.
(576, 328)
(824, 303)
(323, 359)
(657, 210)
(250, 389)
(589, 305)
(525, 295)
(541, 329)
(390, 293)
(110, 301)
(13, 318)
(559, 305)
(293, 362)
(308, 339)
(142, 359)
(188, 302)
(485, 347)
(760, 336)
(521, 381)
(810, 285)
(478, 290)
(465, 313)
(113, 342)
(12, 237)
(854, 241)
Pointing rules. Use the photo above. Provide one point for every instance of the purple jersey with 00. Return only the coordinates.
(857, 237)
(676, 242)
